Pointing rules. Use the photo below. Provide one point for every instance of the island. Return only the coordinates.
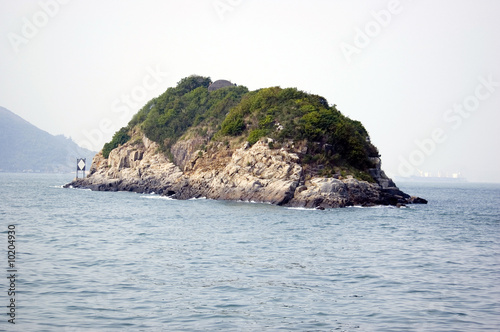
(218, 140)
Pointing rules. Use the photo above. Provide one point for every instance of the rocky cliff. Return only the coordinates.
(246, 173)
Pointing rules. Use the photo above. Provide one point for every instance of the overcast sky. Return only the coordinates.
(422, 76)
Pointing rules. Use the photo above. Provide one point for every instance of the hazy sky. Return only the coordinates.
(422, 76)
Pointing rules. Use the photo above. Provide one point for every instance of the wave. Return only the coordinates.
(154, 196)
(302, 209)
(196, 198)
(252, 202)
(377, 207)
(353, 207)
(71, 187)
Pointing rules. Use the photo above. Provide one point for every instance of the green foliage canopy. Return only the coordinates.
(291, 114)
(281, 114)
(166, 118)
(120, 137)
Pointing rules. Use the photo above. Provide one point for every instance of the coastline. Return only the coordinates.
(248, 173)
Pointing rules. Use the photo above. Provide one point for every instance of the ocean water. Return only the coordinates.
(103, 261)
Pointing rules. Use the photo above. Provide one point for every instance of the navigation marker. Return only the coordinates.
(80, 166)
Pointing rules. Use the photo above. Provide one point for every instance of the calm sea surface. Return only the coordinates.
(102, 261)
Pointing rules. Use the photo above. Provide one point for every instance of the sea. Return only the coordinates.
(121, 261)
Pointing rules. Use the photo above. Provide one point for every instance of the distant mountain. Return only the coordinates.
(26, 148)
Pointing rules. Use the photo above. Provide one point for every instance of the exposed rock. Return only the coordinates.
(252, 174)
(249, 173)
(132, 167)
(417, 200)
(183, 151)
(219, 84)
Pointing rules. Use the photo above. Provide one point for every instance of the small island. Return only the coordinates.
(221, 141)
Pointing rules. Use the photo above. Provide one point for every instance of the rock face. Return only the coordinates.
(219, 84)
(249, 173)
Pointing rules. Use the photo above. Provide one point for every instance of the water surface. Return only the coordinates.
(102, 261)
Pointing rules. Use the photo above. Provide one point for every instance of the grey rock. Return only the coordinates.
(250, 173)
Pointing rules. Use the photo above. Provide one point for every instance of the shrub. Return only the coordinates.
(169, 116)
(255, 135)
(119, 138)
(232, 126)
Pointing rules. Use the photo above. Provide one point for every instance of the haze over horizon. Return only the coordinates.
(423, 77)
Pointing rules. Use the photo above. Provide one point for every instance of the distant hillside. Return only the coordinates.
(26, 148)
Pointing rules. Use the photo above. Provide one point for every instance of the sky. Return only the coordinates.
(422, 76)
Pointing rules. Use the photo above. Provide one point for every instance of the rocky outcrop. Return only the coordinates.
(254, 173)
(132, 167)
(183, 150)
(249, 173)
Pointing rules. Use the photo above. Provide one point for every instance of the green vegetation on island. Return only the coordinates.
(335, 144)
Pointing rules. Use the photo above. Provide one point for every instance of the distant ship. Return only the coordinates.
(427, 177)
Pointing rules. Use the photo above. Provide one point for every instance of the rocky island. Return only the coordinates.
(220, 141)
